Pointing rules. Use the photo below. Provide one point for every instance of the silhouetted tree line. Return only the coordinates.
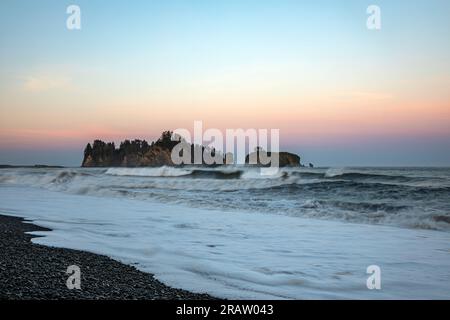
(106, 154)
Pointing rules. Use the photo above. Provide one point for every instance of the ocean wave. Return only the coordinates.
(303, 177)
(216, 174)
(166, 171)
(239, 179)
(353, 196)
(149, 172)
(287, 175)
(366, 207)
(332, 174)
(197, 173)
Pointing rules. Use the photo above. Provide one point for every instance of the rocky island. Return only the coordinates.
(140, 153)
(286, 159)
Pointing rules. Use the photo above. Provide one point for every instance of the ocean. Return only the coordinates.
(304, 233)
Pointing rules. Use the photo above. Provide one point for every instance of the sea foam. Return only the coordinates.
(234, 254)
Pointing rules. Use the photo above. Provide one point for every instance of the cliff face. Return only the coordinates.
(136, 153)
(285, 159)
(154, 157)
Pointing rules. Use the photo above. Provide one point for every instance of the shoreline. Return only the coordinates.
(31, 271)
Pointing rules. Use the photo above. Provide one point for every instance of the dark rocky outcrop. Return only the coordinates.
(135, 153)
(139, 153)
(285, 159)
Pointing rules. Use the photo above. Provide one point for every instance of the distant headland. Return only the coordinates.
(140, 153)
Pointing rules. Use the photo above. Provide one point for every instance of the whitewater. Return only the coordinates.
(301, 234)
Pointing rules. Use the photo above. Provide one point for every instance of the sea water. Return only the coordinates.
(230, 232)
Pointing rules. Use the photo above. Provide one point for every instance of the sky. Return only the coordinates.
(340, 94)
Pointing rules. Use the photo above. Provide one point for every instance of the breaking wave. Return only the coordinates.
(148, 172)
(413, 198)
